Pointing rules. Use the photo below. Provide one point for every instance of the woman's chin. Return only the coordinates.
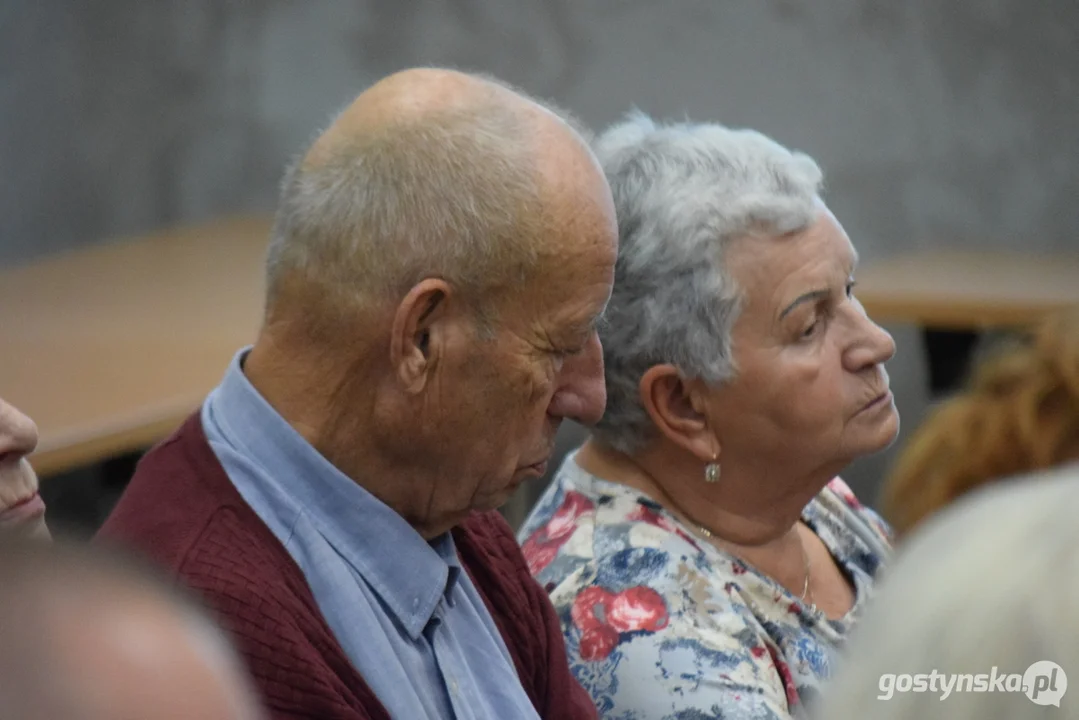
(886, 434)
(873, 439)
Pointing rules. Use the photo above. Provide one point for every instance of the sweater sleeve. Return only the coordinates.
(526, 618)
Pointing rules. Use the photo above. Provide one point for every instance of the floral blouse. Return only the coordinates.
(661, 625)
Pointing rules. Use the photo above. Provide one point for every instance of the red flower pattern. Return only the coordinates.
(638, 608)
(601, 619)
(585, 605)
(788, 680)
(538, 555)
(598, 643)
(648, 515)
(564, 521)
(602, 616)
(840, 488)
(542, 546)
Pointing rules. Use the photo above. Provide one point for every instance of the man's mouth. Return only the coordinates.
(27, 509)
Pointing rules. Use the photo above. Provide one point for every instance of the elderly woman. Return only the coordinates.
(705, 558)
(21, 508)
(950, 636)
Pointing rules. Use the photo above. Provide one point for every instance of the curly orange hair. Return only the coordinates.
(1019, 412)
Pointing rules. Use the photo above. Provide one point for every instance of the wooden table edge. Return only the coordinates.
(955, 314)
(94, 447)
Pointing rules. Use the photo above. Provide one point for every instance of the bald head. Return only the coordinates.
(88, 636)
(428, 173)
(418, 96)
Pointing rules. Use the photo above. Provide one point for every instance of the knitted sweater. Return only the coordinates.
(182, 511)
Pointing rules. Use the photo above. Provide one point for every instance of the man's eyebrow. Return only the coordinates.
(588, 327)
(813, 295)
(585, 328)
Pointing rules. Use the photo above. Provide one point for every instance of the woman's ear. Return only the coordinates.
(678, 408)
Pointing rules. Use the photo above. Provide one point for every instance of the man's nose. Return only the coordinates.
(18, 433)
(581, 393)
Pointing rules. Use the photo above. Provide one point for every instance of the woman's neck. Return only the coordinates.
(747, 512)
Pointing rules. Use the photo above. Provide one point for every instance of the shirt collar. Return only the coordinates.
(408, 574)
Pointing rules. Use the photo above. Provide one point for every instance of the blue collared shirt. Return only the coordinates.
(409, 619)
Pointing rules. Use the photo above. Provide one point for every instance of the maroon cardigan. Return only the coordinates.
(182, 510)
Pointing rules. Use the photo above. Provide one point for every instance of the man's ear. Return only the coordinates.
(677, 408)
(416, 336)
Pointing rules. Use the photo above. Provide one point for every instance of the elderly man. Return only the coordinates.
(89, 635)
(440, 258)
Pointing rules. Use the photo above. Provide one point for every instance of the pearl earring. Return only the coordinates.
(711, 470)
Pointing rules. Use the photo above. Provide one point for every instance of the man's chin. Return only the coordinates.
(503, 496)
(34, 529)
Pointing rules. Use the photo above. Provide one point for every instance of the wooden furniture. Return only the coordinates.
(108, 348)
(954, 295)
(969, 290)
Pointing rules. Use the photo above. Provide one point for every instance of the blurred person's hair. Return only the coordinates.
(1019, 412)
(991, 581)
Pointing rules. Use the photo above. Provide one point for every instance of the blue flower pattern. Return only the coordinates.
(736, 645)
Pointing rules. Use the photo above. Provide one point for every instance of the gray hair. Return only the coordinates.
(990, 581)
(453, 194)
(681, 193)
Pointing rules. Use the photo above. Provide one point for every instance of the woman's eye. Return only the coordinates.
(850, 288)
(811, 330)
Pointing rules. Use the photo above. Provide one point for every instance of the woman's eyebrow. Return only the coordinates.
(812, 295)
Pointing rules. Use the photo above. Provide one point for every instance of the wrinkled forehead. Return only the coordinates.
(579, 215)
(760, 254)
(568, 292)
(770, 270)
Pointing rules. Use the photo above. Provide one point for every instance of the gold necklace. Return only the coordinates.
(805, 559)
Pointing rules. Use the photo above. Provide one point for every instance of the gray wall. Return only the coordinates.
(937, 121)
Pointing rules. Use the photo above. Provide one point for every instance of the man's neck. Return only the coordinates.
(310, 401)
(742, 509)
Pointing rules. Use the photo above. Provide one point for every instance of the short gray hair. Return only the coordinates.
(452, 194)
(989, 581)
(681, 192)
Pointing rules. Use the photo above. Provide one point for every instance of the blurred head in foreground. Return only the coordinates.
(1020, 412)
(89, 635)
(979, 608)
